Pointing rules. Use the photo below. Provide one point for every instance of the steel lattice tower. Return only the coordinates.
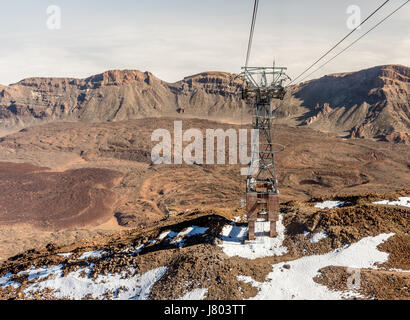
(262, 84)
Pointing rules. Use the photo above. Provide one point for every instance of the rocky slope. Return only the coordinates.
(117, 95)
(199, 255)
(372, 103)
(82, 156)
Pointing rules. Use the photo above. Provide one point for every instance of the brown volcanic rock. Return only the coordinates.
(398, 137)
(201, 263)
(118, 95)
(372, 103)
(55, 200)
(313, 164)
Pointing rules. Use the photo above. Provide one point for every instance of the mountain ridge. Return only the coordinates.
(371, 103)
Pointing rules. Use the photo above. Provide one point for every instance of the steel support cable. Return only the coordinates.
(255, 12)
(337, 44)
(357, 40)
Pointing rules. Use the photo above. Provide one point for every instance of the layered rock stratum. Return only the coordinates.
(372, 103)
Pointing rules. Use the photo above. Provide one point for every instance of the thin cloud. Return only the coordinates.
(175, 50)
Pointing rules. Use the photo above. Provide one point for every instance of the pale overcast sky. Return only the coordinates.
(177, 38)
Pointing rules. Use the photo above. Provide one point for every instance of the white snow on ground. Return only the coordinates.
(403, 201)
(233, 236)
(186, 233)
(73, 286)
(172, 236)
(92, 254)
(234, 233)
(398, 270)
(139, 249)
(196, 294)
(40, 273)
(318, 236)
(133, 251)
(329, 204)
(167, 234)
(297, 282)
(65, 255)
(6, 281)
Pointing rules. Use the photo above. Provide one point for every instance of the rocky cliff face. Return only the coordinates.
(369, 103)
(118, 95)
(372, 103)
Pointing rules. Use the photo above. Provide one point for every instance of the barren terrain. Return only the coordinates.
(82, 203)
(55, 200)
(69, 164)
(192, 256)
(372, 103)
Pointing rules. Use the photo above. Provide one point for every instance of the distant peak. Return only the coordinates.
(207, 74)
(391, 71)
(388, 67)
(119, 77)
(214, 77)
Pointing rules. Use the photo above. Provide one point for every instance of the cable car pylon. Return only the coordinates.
(261, 86)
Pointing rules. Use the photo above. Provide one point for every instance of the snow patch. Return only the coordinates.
(40, 273)
(318, 236)
(399, 270)
(233, 237)
(65, 255)
(234, 233)
(297, 281)
(6, 281)
(166, 234)
(73, 286)
(403, 201)
(92, 254)
(330, 204)
(138, 249)
(186, 233)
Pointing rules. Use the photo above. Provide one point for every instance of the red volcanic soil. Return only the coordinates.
(55, 200)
